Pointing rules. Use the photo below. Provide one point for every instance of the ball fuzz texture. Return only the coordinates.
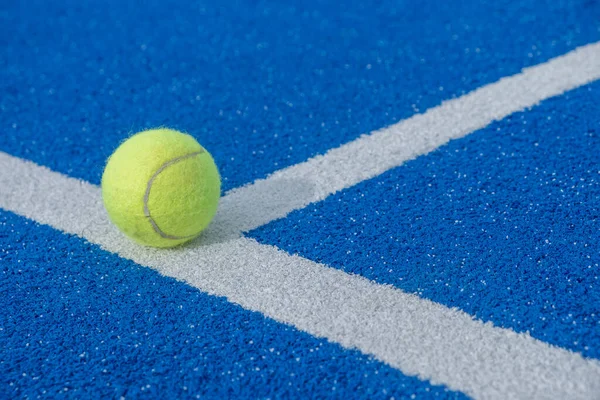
(161, 188)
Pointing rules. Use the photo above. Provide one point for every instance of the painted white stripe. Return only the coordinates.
(417, 336)
(295, 187)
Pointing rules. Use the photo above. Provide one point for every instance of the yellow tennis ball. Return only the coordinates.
(161, 188)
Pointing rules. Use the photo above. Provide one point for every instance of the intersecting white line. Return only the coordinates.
(297, 186)
(415, 335)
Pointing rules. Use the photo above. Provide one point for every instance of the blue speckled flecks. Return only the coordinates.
(78, 322)
(504, 224)
(261, 84)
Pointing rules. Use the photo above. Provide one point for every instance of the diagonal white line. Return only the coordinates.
(295, 187)
(418, 336)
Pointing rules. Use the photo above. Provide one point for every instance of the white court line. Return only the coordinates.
(417, 336)
(297, 186)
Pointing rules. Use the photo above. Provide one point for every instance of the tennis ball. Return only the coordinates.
(161, 188)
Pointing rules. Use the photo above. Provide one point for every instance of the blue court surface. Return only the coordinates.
(458, 257)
